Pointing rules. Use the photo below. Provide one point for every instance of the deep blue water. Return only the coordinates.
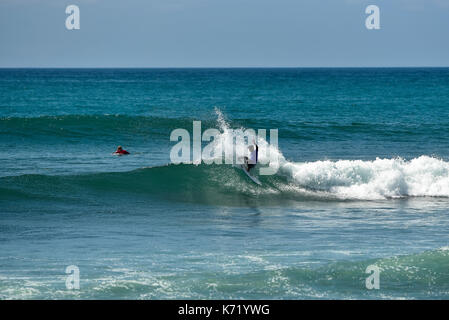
(363, 180)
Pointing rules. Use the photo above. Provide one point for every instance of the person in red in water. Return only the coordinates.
(120, 151)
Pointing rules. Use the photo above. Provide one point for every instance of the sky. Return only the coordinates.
(224, 33)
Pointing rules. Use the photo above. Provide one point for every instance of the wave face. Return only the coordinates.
(223, 184)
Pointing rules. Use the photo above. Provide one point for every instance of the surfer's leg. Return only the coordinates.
(246, 163)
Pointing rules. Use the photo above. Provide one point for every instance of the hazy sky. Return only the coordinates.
(223, 33)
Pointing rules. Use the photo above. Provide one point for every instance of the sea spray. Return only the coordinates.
(225, 145)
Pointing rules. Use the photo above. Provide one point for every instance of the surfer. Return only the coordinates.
(253, 154)
(120, 151)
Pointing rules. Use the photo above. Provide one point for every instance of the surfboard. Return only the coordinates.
(254, 179)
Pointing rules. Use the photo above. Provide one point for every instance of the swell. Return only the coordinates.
(94, 126)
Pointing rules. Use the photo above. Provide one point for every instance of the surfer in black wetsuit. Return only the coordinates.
(253, 157)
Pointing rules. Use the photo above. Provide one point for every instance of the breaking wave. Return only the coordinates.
(328, 180)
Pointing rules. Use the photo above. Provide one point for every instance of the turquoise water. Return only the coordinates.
(363, 180)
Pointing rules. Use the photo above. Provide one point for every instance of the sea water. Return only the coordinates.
(363, 181)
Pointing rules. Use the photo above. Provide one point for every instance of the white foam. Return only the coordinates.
(234, 140)
(378, 179)
(354, 179)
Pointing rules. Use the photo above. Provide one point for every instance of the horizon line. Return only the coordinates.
(234, 67)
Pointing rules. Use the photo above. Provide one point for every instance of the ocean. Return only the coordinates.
(363, 182)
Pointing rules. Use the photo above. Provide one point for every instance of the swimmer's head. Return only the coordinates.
(251, 148)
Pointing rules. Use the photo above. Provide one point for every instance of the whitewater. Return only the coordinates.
(424, 176)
